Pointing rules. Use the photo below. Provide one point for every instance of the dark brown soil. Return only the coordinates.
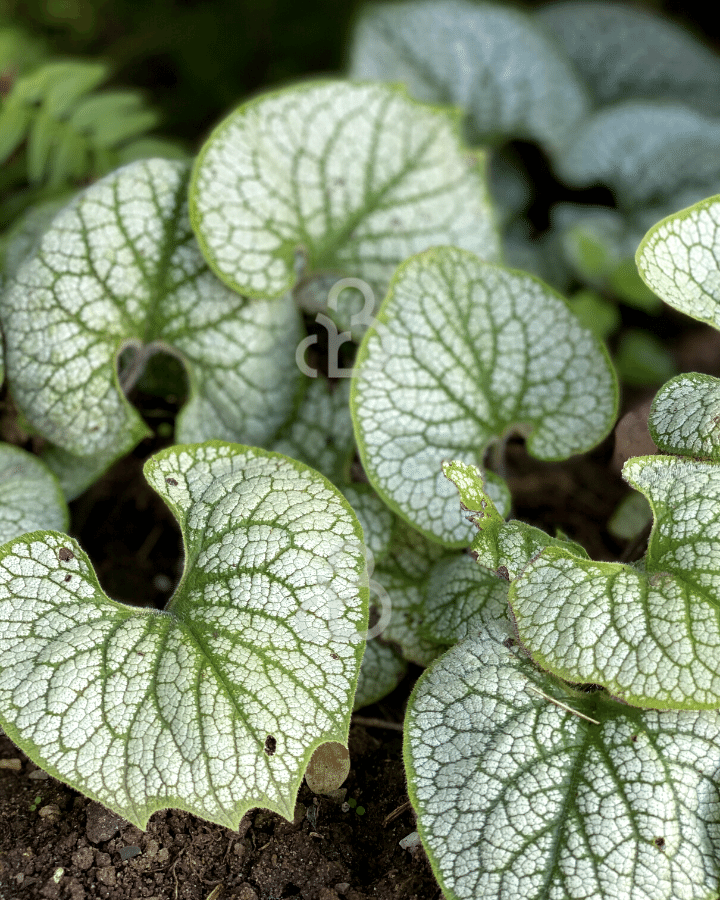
(54, 843)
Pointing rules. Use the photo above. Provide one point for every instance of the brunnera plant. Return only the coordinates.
(564, 740)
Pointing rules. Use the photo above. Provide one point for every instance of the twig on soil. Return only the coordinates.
(369, 722)
(396, 813)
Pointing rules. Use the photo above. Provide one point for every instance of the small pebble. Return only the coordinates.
(410, 841)
(129, 852)
(52, 809)
(101, 823)
(38, 775)
(13, 764)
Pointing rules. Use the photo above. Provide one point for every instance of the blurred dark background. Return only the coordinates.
(196, 59)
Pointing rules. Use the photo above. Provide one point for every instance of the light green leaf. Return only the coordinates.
(402, 575)
(625, 52)
(463, 354)
(685, 416)
(643, 151)
(642, 359)
(216, 704)
(119, 268)
(30, 497)
(490, 60)
(356, 177)
(594, 312)
(631, 517)
(381, 672)
(519, 798)
(651, 637)
(462, 598)
(504, 548)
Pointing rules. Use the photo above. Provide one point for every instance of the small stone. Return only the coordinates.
(245, 892)
(327, 893)
(47, 812)
(107, 875)
(329, 766)
(58, 874)
(342, 887)
(101, 823)
(410, 841)
(38, 775)
(83, 859)
(129, 851)
(13, 764)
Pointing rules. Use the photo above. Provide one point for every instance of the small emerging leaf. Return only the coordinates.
(355, 176)
(517, 797)
(215, 704)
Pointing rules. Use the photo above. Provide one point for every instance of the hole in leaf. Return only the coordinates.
(129, 534)
(156, 384)
(270, 745)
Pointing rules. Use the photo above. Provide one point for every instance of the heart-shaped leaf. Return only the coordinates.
(119, 268)
(30, 496)
(679, 258)
(216, 704)
(650, 636)
(490, 60)
(517, 796)
(625, 52)
(355, 176)
(464, 353)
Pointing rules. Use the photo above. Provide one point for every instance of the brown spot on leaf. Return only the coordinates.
(334, 656)
(65, 554)
(172, 481)
(68, 577)
(633, 738)
(270, 745)
(659, 842)
(502, 572)
(509, 642)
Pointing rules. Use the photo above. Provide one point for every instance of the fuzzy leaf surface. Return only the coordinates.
(490, 60)
(625, 52)
(118, 268)
(651, 637)
(357, 177)
(463, 353)
(215, 704)
(462, 598)
(517, 797)
(30, 496)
